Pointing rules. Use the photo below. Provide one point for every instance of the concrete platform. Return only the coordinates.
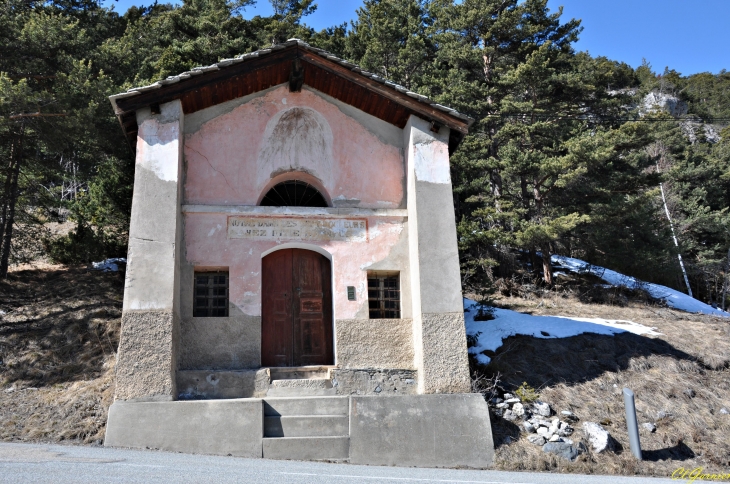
(220, 427)
(447, 430)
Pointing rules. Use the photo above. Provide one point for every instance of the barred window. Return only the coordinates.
(211, 294)
(384, 295)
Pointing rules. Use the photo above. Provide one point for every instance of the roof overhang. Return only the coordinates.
(295, 62)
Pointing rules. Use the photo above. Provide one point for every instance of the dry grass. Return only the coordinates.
(61, 328)
(58, 339)
(681, 381)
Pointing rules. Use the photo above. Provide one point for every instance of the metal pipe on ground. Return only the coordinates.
(633, 426)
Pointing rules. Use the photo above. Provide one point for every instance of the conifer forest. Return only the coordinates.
(567, 155)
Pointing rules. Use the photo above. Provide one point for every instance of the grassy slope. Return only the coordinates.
(58, 338)
(586, 374)
(57, 344)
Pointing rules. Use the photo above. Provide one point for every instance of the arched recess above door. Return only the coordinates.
(293, 193)
(294, 189)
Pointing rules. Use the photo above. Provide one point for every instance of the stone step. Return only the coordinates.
(306, 406)
(307, 448)
(301, 387)
(307, 426)
(318, 383)
(300, 372)
(301, 392)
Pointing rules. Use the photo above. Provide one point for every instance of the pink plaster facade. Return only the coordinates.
(207, 245)
(234, 158)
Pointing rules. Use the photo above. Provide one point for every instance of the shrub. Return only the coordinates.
(526, 393)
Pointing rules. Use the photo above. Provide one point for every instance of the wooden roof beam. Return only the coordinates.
(424, 110)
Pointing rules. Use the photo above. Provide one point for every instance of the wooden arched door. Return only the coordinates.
(296, 298)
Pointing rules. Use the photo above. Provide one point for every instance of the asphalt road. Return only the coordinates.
(21, 463)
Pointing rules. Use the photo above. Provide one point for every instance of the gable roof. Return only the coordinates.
(293, 60)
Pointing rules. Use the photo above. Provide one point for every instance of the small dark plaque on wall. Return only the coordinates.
(350, 293)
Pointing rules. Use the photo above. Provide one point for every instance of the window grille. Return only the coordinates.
(211, 294)
(384, 295)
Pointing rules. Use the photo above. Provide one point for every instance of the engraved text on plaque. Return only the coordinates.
(296, 228)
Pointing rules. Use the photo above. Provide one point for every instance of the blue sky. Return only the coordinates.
(689, 36)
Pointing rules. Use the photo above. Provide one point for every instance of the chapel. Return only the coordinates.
(293, 287)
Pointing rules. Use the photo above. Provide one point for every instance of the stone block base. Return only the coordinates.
(445, 357)
(146, 356)
(374, 382)
(218, 427)
(208, 385)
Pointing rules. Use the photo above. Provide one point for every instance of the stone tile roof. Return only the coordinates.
(260, 53)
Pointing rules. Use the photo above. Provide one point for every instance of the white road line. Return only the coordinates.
(386, 478)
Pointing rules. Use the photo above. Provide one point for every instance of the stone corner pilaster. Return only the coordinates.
(445, 358)
(145, 362)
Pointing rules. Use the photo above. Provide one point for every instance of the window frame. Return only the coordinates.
(385, 295)
(211, 310)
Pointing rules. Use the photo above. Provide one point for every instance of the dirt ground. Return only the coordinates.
(59, 331)
(681, 381)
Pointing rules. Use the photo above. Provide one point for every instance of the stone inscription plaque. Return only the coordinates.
(291, 228)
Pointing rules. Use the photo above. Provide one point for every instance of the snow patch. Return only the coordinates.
(506, 323)
(673, 298)
(109, 265)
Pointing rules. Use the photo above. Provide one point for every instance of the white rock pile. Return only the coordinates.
(538, 422)
(535, 419)
(541, 430)
(509, 408)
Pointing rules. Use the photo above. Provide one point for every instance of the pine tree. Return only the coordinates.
(699, 197)
(390, 39)
(55, 124)
(551, 164)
